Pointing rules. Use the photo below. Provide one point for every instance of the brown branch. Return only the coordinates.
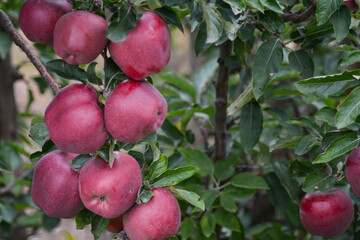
(7, 25)
(221, 87)
(300, 16)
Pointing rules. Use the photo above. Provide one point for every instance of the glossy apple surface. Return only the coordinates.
(115, 225)
(352, 170)
(109, 192)
(37, 18)
(327, 214)
(160, 218)
(55, 185)
(146, 49)
(75, 120)
(133, 110)
(79, 37)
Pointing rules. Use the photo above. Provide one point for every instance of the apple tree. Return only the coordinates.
(258, 139)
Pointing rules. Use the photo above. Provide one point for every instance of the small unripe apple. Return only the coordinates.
(352, 170)
(115, 225)
(75, 120)
(109, 192)
(37, 18)
(157, 219)
(79, 37)
(133, 110)
(327, 214)
(55, 186)
(145, 50)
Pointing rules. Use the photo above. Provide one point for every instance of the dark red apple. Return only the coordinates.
(157, 219)
(109, 192)
(352, 170)
(133, 110)
(327, 214)
(37, 18)
(55, 186)
(146, 49)
(75, 120)
(79, 37)
(115, 225)
(351, 4)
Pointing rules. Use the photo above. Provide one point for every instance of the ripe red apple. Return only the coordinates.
(55, 186)
(146, 49)
(352, 170)
(351, 4)
(37, 18)
(133, 110)
(79, 37)
(109, 192)
(115, 225)
(157, 219)
(75, 120)
(327, 214)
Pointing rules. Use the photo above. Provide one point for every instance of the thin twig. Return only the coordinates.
(12, 183)
(300, 16)
(7, 25)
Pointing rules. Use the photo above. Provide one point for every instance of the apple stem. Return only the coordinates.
(8, 26)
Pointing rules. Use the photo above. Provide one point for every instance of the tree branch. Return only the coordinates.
(7, 25)
(300, 16)
(221, 86)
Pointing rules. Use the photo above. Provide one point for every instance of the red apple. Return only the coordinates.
(115, 225)
(352, 170)
(327, 214)
(37, 18)
(134, 110)
(109, 192)
(157, 219)
(55, 185)
(146, 49)
(75, 120)
(79, 37)
(351, 4)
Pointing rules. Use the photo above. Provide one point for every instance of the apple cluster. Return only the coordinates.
(329, 214)
(79, 124)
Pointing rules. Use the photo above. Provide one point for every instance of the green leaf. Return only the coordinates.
(248, 181)
(200, 41)
(338, 147)
(326, 114)
(251, 124)
(272, 5)
(318, 180)
(187, 227)
(329, 85)
(80, 160)
(228, 202)
(302, 60)
(84, 218)
(341, 21)
(173, 176)
(325, 8)
(39, 133)
(226, 219)
(170, 16)
(237, 6)
(350, 57)
(224, 168)
(144, 196)
(198, 159)
(118, 31)
(214, 25)
(49, 223)
(208, 223)
(255, 4)
(171, 130)
(177, 81)
(268, 59)
(190, 197)
(305, 144)
(66, 70)
(91, 74)
(308, 123)
(348, 110)
(98, 225)
(272, 21)
(157, 167)
(153, 4)
(277, 194)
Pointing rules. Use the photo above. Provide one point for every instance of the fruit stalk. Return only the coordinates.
(7, 26)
